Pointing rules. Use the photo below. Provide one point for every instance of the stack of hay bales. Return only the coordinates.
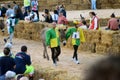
(53, 74)
(109, 43)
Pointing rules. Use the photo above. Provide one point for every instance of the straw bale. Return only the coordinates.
(72, 6)
(107, 37)
(52, 2)
(75, 1)
(49, 73)
(85, 46)
(101, 48)
(113, 50)
(116, 40)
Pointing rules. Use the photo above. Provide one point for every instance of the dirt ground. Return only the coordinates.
(35, 50)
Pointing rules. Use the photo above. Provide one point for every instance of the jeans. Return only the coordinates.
(93, 4)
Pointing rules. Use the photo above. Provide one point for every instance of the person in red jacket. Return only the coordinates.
(94, 21)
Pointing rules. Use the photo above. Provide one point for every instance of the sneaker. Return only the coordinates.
(55, 64)
(77, 62)
(5, 40)
(73, 59)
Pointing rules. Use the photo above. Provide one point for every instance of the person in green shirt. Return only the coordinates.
(53, 42)
(77, 36)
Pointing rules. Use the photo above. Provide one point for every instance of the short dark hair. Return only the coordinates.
(24, 48)
(55, 12)
(84, 22)
(112, 15)
(6, 51)
(9, 6)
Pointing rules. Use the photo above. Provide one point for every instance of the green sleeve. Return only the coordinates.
(47, 36)
(68, 33)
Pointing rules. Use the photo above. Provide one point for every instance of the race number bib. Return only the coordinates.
(76, 35)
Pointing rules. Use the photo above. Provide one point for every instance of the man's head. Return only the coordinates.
(6, 51)
(10, 75)
(61, 14)
(53, 25)
(24, 48)
(112, 15)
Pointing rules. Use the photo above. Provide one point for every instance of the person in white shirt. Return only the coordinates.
(55, 16)
(84, 25)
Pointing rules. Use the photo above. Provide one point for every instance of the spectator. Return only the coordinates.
(23, 63)
(93, 4)
(94, 21)
(62, 10)
(27, 6)
(113, 23)
(3, 10)
(55, 16)
(6, 62)
(62, 19)
(34, 5)
(10, 75)
(11, 22)
(32, 17)
(18, 11)
(47, 16)
(84, 25)
(9, 11)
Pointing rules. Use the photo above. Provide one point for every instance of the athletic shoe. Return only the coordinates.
(77, 62)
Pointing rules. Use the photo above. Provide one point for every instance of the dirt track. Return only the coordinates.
(65, 63)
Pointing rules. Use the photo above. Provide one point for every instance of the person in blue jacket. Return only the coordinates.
(23, 63)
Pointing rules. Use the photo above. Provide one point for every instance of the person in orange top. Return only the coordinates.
(94, 21)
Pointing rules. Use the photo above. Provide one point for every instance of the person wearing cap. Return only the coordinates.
(23, 63)
(53, 42)
(94, 21)
(6, 62)
(10, 75)
(11, 22)
(113, 23)
(77, 36)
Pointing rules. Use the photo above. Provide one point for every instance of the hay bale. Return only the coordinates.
(113, 50)
(101, 48)
(107, 37)
(116, 40)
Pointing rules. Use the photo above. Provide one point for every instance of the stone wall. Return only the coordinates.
(72, 4)
(96, 41)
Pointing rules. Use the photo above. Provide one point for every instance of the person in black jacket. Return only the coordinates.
(47, 16)
(6, 63)
(3, 10)
(23, 62)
